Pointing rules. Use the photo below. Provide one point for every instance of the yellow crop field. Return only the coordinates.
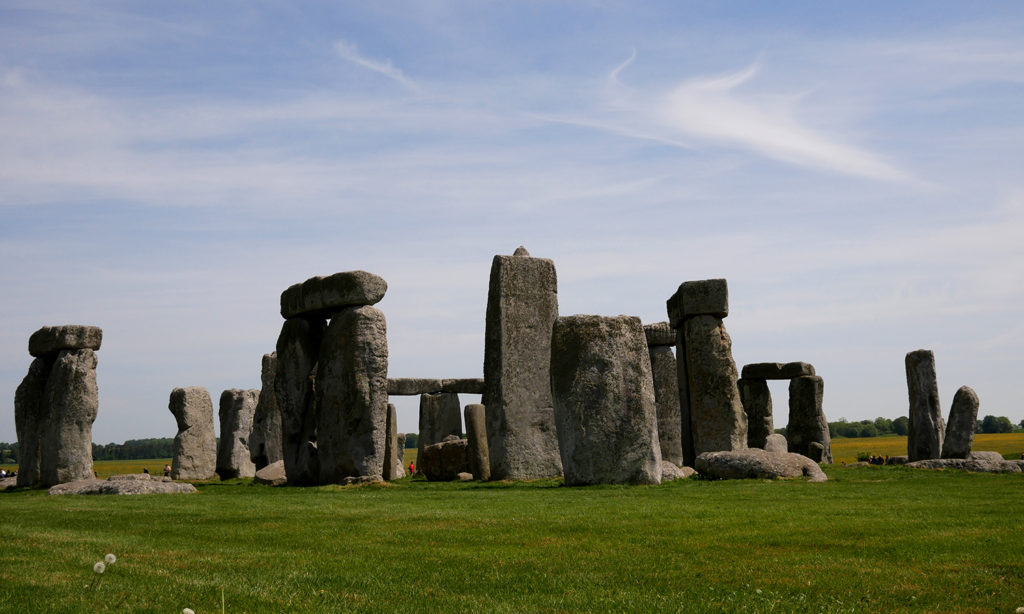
(844, 450)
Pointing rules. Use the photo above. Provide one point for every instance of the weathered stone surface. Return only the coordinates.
(522, 304)
(237, 408)
(671, 471)
(463, 386)
(392, 453)
(31, 420)
(603, 392)
(897, 460)
(816, 452)
(777, 370)
(926, 429)
(265, 442)
(807, 423)
(322, 296)
(776, 443)
(72, 401)
(717, 419)
(666, 399)
(195, 445)
(298, 348)
(709, 297)
(445, 460)
(411, 386)
(985, 455)
(144, 477)
(352, 395)
(960, 430)
(476, 435)
(9, 482)
(660, 333)
(757, 403)
(967, 464)
(121, 487)
(400, 457)
(756, 463)
(440, 416)
(52, 339)
(272, 475)
(685, 413)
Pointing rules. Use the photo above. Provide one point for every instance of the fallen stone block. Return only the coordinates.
(757, 464)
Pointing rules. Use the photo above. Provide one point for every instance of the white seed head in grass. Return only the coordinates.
(99, 567)
(1019, 610)
(110, 559)
(187, 611)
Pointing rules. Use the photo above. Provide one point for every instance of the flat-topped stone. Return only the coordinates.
(413, 386)
(708, 297)
(659, 333)
(463, 386)
(52, 339)
(777, 370)
(322, 296)
(121, 487)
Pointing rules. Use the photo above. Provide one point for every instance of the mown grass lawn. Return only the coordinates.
(874, 539)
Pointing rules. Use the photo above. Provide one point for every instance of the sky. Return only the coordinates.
(853, 169)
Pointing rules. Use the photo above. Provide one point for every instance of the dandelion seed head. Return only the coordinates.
(99, 567)
(110, 559)
(1020, 610)
(187, 611)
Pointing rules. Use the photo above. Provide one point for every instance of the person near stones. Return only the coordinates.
(167, 471)
(412, 467)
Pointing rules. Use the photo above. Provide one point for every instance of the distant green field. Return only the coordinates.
(844, 450)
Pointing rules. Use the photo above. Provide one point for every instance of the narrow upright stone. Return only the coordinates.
(237, 408)
(660, 333)
(522, 304)
(926, 430)
(666, 398)
(31, 419)
(476, 433)
(72, 401)
(685, 413)
(757, 402)
(716, 414)
(195, 445)
(392, 459)
(265, 441)
(352, 395)
(603, 393)
(298, 347)
(400, 457)
(960, 430)
(440, 416)
(807, 423)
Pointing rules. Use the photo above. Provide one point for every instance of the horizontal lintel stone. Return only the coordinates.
(321, 296)
(660, 333)
(53, 339)
(777, 370)
(709, 297)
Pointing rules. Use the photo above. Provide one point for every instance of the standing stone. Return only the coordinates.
(195, 445)
(237, 408)
(265, 442)
(926, 429)
(960, 431)
(400, 457)
(31, 419)
(757, 403)
(440, 416)
(392, 460)
(72, 401)
(522, 304)
(666, 398)
(446, 460)
(685, 414)
(297, 349)
(807, 423)
(352, 395)
(716, 413)
(603, 394)
(476, 433)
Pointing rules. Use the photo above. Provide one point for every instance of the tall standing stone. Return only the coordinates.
(664, 371)
(522, 304)
(237, 408)
(352, 395)
(807, 425)
(960, 430)
(31, 419)
(926, 430)
(603, 394)
(392, 453)
(476, 433)
(298, 347)
(265, 441)
(440, 416)
(195, 445)
(72, 400)
(757, 403)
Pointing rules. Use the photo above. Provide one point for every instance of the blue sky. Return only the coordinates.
(853, 170)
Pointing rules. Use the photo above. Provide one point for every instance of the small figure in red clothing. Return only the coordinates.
(412, 468)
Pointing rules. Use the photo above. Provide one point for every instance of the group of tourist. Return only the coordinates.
(5, 474)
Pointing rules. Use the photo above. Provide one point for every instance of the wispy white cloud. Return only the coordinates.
(349, 52)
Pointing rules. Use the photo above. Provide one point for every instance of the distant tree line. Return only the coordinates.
(900, 426)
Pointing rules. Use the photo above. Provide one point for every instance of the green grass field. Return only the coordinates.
(872, 539)
(844, 450)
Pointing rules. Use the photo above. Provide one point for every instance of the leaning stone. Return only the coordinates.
(31, 419)
(777, 370)
(265, 441)
(757, 403)
(717, 419)
(666, 399)
(352, 395)
(709, 297)
(522, 304)
(603, 392)
(236, 411)
(973, 465)
(322, 296)
(985, 455)
(776, 443)
(195, 445)
(807, 423)
(463, 386)
(660, 333)
(445, 460)
(298, 347)
(476, 435)
(411, 386)
(121, 487)
(72, 402)
(392, 453)
(759, 464)
(926, 429)
(52, 339)
(440, 416)
(960, 430)
(272, 475)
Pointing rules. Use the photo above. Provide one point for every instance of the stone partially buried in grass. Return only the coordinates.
(755, 463)
(121, 487)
